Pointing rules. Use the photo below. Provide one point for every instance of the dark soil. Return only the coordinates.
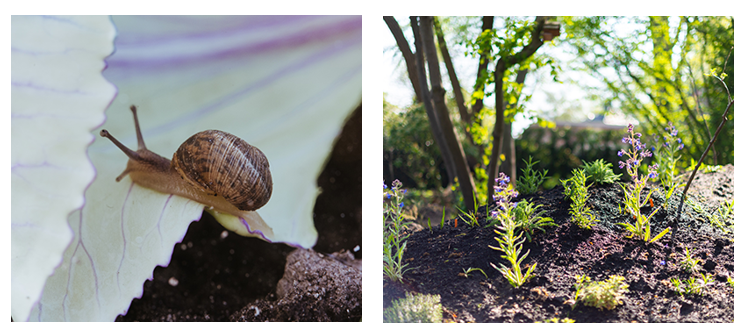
(439, 257)
(214, 273)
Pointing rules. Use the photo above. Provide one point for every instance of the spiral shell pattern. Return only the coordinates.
(221, 163)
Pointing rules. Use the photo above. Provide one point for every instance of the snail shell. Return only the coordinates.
(221, 163)
(212, 167)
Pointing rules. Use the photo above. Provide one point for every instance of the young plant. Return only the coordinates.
(600, 172)
(415, 309)
(472, 269)
(603, 294)
(528, 218)
(692, 285)
(470, 217)
(722, 215)
(531, 180)
(633, 201)
(667, 162)
(575, 189)
(509, 236)
(689, 264)
(394, 237)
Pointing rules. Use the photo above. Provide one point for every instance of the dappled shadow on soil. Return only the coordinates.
(439, 257)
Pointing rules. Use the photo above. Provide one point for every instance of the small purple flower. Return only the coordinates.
(622, 164)
(401, 204)
(619, 153)
(663, 263)
(404, 191)
(681, 146)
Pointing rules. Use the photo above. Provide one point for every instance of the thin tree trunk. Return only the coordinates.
(482, 69)
(466, 184)
(500, 68)
(404, 48)
(509, 166)
(463, 112)
(428, 104)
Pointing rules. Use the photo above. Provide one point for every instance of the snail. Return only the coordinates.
(215, 168)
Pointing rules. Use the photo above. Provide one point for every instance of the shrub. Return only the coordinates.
(601, 294)
(415, 309)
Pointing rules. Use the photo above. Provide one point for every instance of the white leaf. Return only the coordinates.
(283, 84)
(57, 97)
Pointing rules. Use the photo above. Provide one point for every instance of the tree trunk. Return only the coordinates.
(463, 112)
(466, 184)
(404, 48)
(509, 166)
(436, 130)
(500, 68)
(482, 69)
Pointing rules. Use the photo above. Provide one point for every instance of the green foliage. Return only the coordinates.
(530, 180)
(471, 269)
(600, 172)
(692, 286)
(632, 201)
(600, 294)
(689, 264)
(528, 218)
(470, 217)
(723, 217)
(562, 149)
(415, 309)
(511, 245)
(509, 236)
(410, 152)
(575, 189)
(394, 236)
(667, 60)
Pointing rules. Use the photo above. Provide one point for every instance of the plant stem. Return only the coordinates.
(672, 242)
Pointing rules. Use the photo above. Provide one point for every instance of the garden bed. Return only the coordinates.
(438, 259)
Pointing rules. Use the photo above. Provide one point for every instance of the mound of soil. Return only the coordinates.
(440, 257)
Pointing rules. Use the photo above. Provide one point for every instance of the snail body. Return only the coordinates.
(215, 168)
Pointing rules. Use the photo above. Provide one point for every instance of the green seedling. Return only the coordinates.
(530, 180)
(471, 269)
(529, 218)
(575, 189)
(689, 264)
(603, 294)
(600, 172)
(692, 286)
